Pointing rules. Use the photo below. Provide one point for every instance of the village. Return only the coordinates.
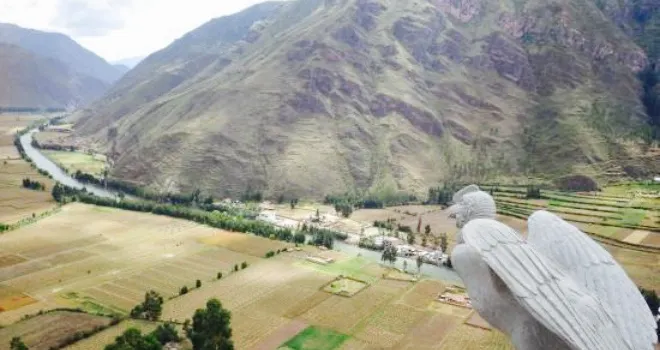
(363, 233)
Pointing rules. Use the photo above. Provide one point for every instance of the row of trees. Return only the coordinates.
(33, 185)
(216, 219)
(368, 201)
(210, 327)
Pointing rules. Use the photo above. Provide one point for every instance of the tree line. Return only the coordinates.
(33, 185)
(215, 218)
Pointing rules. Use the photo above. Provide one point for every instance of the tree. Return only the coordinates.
(405, 266)
(389, 254)
(419, 225)
(443, 242)
(427, 229)
(244, 265)
(219, 276)
(183, 290)
(151, 307)
(424, 241)
(17, 344)
(299, 238)
(419, 262)
(198, 284)
(411, 238)
(211, 328)
(166, 333)
(132, 339)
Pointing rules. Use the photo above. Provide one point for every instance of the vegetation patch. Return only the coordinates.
(345, 286)
(315, 338)
(633, 217)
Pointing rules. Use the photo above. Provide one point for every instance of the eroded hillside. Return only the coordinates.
(314, 97)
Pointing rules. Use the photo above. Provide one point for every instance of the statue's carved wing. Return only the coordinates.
(591, 266)
(547, 293)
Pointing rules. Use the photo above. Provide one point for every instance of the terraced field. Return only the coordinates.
(629, 218)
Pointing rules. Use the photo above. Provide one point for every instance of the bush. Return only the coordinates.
(270, 254)
(244, 265)
(236, 267)
(219, 276)
(166, 333)
(533, 192)
(198, 284)
(184, 290)
(576, 183)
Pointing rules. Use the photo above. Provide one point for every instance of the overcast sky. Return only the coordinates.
(116, 29)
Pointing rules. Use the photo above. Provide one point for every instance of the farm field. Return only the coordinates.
(51, 329)
(93, 164)
(104, 260)
(629, 214)
(280, 303)
(108, 336)
(16, 202)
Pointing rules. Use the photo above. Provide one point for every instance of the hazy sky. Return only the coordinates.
(116, 29)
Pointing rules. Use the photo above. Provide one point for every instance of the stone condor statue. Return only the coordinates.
(556, 290)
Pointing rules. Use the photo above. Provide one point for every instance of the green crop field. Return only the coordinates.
(74, 161)
(315, 338)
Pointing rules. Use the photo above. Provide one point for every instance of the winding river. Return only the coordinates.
(59, 175)
(42, 162)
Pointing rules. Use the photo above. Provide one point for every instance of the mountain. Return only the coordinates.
(315, 97)
(121, 68)
(129, 62)
(31, 80)
(62, 48)
(638, 18)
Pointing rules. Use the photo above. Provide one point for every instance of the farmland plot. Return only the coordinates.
(51, 329)
(107, 258)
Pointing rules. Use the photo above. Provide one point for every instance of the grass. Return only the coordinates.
(74, 161)
(315, 338)
(345, 287)
(354, 267)
(633, 217)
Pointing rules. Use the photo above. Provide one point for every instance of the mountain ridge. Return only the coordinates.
(60, 47)
(320, 97)
(35, 81)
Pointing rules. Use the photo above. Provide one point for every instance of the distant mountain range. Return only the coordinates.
(129, 62)
(50, 70)
(313, 97)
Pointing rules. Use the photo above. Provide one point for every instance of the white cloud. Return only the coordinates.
(117, 29)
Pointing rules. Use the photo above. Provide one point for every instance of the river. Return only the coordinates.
(42, 162)
(59, 175)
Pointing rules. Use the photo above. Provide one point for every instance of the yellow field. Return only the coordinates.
(105, 260)
(9, 125)
(274, 295)
(16, 202)
(50, 330)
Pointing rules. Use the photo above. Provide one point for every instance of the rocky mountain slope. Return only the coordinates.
(313, 97)
(30, 80)
(62, 48)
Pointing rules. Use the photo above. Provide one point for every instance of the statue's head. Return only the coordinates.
(471, 203)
